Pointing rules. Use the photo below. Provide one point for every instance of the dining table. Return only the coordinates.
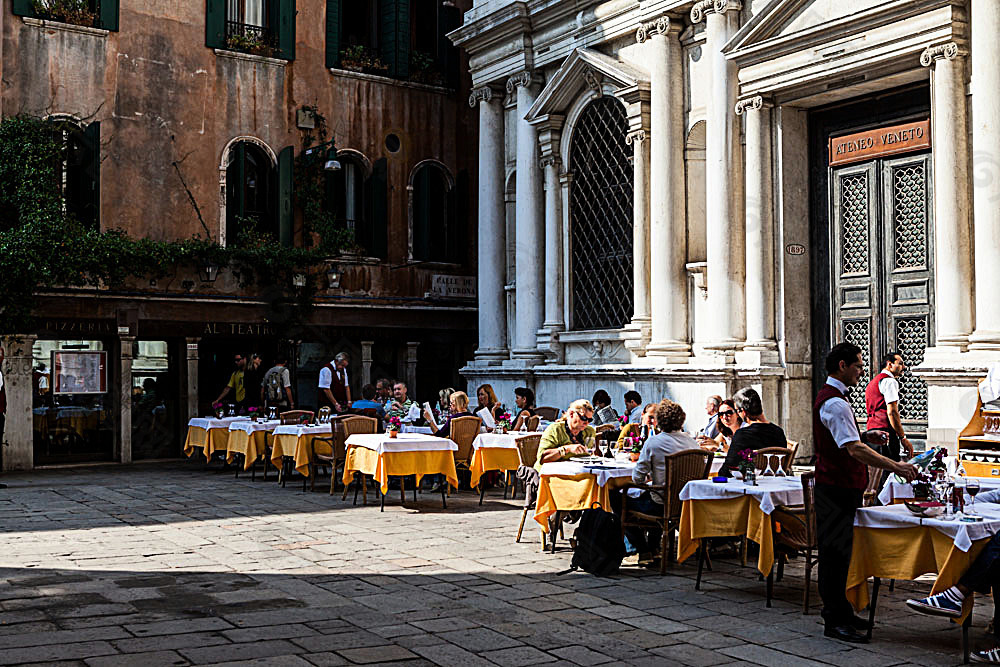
(248, 438)
(292, 446)
(382, 456)
(211, 434)
(494, 451)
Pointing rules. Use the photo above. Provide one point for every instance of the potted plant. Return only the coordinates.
(424, 69)
(503, 423)
(253, 412)
(75, 12)
(219, 410)
(392, 426)
(358, 58)
(634, 447)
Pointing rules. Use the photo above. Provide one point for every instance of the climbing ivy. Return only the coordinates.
(42, 247)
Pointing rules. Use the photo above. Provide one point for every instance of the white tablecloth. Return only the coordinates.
(896, 490)
(249, 427)
(299, 430)
(404, 442)
(769, 492)
(211, 422)
(962, 533)
(410, 428)
(499, 440)
(610, 469)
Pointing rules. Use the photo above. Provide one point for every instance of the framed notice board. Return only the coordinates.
(79, 372)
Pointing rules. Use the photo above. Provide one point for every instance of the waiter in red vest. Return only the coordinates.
(882, 405)
(842, 461)
(334, 386)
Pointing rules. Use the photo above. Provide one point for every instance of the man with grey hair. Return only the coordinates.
(756, 432)
(334, 387)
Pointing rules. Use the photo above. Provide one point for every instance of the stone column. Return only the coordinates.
(192, 377)
(530, 270)
(641, 318)
(18, 436)
(725, 250)
(411, 369)
(986, 170)
(553, 261)
(126, 347)
(952, 242)
(492, 228)
(760, 344)
(366, 361)
(667, 228)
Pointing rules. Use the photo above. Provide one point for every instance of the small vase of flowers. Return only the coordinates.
(254, 413)
(392, 426)
(746, 468)
(503, 423)
(219, 410)
(633, 446)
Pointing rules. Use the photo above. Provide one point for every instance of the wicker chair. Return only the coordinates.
(604, 428)
(547, 413)
(527, 454)
(794, 530)
(681, 468)
(336, 443)
(794, 446)
(533, 423)
(761, 456)
(296, 417)
(344, 428)
(462, 432)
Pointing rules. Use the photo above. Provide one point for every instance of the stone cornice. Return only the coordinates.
(702, 8)
(947, 51)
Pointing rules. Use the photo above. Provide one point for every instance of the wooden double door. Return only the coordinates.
(882, 272)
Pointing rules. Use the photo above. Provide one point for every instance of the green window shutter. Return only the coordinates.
(395, 42)
(23, 8)
(286, 165)
(449, 18)
(379, 220)
(109, 15)
(215, 24)
(283, 23)
(92, 170)
(332, 33)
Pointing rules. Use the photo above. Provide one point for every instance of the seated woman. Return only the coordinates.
(524, 398)
(488, 399)
(444, 400)
(569, 436)
(603, 412)
(458, 407)
(729, 421)
(634, 430)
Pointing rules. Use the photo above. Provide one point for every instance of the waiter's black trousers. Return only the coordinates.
(835, 507)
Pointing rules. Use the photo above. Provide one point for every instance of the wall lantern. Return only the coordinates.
(299, 280)
(208, 272)
(333, 276)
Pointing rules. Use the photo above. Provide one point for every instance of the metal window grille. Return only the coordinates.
(601, 218)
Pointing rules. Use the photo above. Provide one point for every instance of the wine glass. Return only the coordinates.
(780, 472)
(972, 488)
(767, 468)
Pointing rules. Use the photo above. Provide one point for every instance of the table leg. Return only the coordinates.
(871, 607)
(770, 587)
(382, 508)
(996, 612)
(701, 563)
(482, 492)
(402, 490)
(444, 495)
(965, 638)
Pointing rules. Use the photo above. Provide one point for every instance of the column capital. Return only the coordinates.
(635, 137)
(948, 51)
(525, 78)
(755, 103)
(550, 161)
(482, 94)
(660, 26)
(702, 8)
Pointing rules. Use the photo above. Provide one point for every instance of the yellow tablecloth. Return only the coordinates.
(492, 458)
(210, 441)
(381, 466)
(907, 553)
(299, 448)
(564, 493)
(252, 448)
(725, 517)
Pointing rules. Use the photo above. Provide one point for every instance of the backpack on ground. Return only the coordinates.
(599, 546)
(272, 386)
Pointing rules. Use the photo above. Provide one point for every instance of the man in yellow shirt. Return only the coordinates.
(235, 384)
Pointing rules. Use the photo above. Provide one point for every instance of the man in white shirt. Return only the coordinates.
(842, 461)
(882, 405)
(334, 387)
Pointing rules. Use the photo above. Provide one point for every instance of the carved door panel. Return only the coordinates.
(882, 273)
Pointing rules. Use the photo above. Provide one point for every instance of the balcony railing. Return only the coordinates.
(250, 38)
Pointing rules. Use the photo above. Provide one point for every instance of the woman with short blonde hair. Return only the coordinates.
(572, 435)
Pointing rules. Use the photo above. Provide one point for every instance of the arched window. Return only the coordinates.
(79, 169)
(251, 195)
(438, 215)
(356, 195)
(601, 217)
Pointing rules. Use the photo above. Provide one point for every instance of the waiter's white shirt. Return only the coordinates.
(326, 376)
(889, 387)
(837, 416)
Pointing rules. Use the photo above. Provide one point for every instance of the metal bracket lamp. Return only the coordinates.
(331, 162)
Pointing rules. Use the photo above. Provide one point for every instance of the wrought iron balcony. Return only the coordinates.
(250, 38)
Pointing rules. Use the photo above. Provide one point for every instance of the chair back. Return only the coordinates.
(683, 467)
(527, 449)
(761, 456)
(604, 428)
(356, 424)
(369, 412)
(323, 416)
(533, 423)
(463, 431)
(809, 503)
(296, 417)
(794, 446)
(547, 413)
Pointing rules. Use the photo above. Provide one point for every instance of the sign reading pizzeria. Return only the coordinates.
(884, 141)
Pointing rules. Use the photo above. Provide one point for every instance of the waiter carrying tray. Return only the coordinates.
(842, 461)
(882, 405)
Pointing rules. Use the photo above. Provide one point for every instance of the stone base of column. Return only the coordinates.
(639, 331)
(524, 358)
(758, 353)
(984, 340)
(490, 357)
(669, 352)
(549, 345)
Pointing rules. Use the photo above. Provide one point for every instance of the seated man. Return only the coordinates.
(756, 432)
(368, 401)
(400, 406)
(669, 440)
(981, 576)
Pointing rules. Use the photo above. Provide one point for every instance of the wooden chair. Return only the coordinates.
(604, 428)
(681, 468)
(527, 454)
(296, 417)
(872, 490)
(548, 413)
(462, 432)
(794, 531)
(533, 423)
(794, 446)
(760, 458)
(290, 417)
(336, 442)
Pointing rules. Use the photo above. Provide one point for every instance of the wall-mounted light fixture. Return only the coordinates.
(299, 280)
(208, 272)
(333, 276)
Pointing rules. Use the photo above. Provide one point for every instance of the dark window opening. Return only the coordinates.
(359, 25)
(359, 203)
(248, 28)
(79, 171)
(251, 196)
(438, 216)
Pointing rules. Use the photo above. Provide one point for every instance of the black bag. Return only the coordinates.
(599, 545)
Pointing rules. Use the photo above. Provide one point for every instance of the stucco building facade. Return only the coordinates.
(689, 197)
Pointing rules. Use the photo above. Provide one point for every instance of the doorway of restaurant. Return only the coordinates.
(872, 228)
(216, 358)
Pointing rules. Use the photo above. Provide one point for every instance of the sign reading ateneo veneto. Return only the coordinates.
(880, 142)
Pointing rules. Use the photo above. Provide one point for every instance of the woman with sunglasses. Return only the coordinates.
(729, 421)
(570, 436)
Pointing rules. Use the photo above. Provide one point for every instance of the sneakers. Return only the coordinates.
(945, 603)
(993, 655)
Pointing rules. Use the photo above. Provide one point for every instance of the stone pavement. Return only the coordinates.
(176, 564)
